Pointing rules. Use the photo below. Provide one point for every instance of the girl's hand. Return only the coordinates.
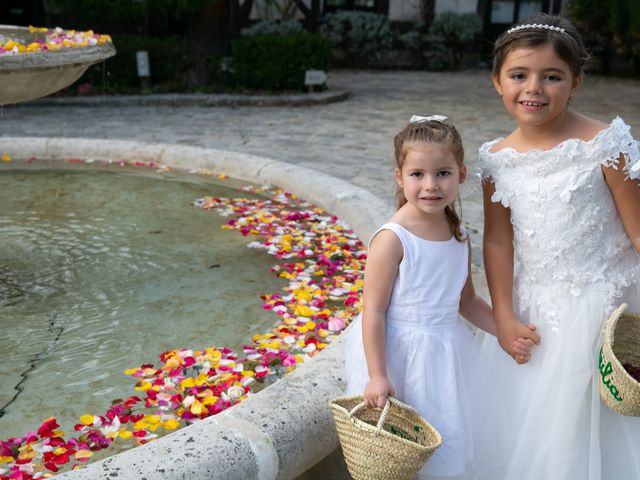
(522, 347)
(377, 391)
(514, 338)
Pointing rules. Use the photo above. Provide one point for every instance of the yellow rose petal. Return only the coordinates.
(170, 424)
(86, 419)
(140, 424)
(144, 386)
(153, 419)
(83, 454)
(187, 383)
(303, 311)
(197, 408)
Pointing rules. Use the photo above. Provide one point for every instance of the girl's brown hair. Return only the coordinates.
(431, 131)
(567, 44)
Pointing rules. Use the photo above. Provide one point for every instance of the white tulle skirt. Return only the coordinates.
(434, 371)
(545, 420)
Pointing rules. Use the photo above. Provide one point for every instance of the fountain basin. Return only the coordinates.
(283, 430)
(25, 76)
(91, 286)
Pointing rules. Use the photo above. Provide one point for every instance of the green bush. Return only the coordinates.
(102, 16)
(358, 34)
(411, 40)
(168, 60)
(591, 19)
(278, 62)
(274, 27)
(608, 27)
(454, 33)
(457, 28)
(624, 21)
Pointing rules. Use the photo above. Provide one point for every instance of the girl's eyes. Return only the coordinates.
(521, 76)
(443, 173)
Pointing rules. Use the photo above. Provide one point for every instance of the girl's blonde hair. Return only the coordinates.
(431, 131)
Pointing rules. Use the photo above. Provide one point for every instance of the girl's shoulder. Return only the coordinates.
(390, 231)
(386, 243)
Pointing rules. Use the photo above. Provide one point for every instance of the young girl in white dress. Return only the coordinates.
(409, 341)
(561, 243)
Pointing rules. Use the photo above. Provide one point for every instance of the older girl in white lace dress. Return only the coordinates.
(410, 341)
(561, 250)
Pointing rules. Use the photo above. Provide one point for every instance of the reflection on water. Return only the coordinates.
(102, 270)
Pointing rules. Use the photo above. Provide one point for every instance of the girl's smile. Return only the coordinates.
(536, 86)
(532, 106)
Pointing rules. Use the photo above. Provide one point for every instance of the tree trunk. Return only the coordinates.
(206, 37)
(428, 10)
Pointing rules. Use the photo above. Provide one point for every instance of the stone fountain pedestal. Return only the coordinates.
(26, 76)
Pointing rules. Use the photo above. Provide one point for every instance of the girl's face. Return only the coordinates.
(536, 85)
(430, 176)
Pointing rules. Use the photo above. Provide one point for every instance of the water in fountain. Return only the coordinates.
(102, 271)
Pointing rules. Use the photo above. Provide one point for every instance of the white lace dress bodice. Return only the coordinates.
(567, 233)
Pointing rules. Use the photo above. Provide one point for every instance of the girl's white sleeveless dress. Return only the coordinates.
(573, 264)
(428, 346)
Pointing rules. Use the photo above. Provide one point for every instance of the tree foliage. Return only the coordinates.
(180, 7)
(609, 26)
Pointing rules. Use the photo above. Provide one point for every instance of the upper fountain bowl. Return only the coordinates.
(36, 62)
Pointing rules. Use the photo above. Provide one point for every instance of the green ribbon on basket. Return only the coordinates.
(605, 370)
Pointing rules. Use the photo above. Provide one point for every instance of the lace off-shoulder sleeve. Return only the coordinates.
(492, 171)
(487, 166)
(619, 143)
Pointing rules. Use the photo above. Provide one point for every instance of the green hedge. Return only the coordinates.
(610, 30)
(359, 35)
(278, 62)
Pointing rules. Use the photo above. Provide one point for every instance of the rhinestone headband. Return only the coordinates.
(535, 26)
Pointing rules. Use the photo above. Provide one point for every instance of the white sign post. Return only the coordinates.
(314, 78)
(144, 71)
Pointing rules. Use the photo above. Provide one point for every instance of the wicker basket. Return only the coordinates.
(619, 390)
(388, 444)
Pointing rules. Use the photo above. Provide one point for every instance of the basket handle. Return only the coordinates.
(385, 410)
(611, 322)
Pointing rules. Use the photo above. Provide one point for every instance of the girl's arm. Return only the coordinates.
(626, 195)
(473, 307)
(498, 263)
(381, 269)
(479, 313)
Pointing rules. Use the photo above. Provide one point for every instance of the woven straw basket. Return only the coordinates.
(371, 450)
(619, 390)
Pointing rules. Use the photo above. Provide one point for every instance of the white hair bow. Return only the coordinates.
(435, 118)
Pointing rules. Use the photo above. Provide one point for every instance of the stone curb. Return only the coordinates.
(194, 100)
(285, 429)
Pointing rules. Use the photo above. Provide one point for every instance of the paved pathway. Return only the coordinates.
(351, 140)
